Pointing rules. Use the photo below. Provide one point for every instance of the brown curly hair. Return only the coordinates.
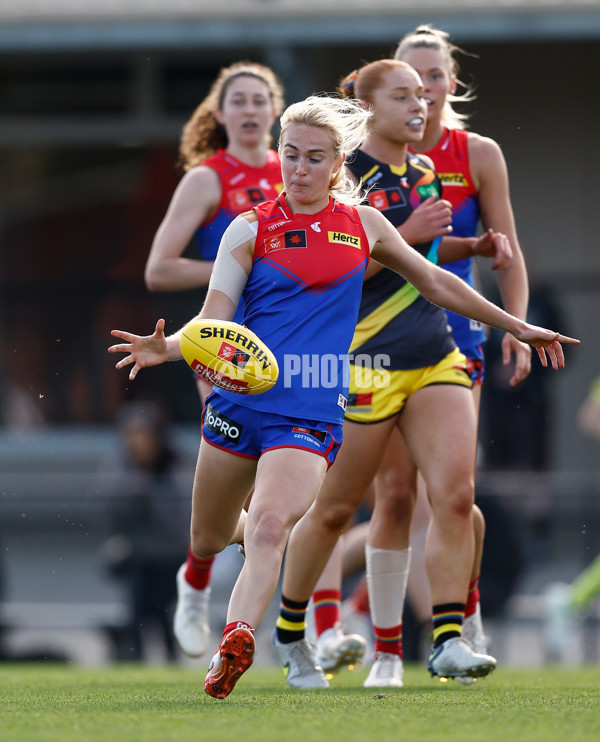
(202, 135)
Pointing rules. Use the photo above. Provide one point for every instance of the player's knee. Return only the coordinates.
(396, 502)
(455, 500)
(268, 530)
(205, 544)
(337, 517)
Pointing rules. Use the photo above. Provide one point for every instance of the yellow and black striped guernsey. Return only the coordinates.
(394, 318)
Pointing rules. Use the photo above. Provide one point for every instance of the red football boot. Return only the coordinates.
(232, 659)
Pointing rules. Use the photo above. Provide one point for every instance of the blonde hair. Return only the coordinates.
(428, 37)
(203, 135)
(346, 122)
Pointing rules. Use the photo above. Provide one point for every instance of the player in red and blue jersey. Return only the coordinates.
(316, 261)
(291, 299)
(229, 167)
(474, 177)
(450, 157)
(242, 186)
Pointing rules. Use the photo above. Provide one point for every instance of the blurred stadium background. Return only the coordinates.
(92, 99)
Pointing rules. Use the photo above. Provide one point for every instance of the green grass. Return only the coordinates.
(50, 703)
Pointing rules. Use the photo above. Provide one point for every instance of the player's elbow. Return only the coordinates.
(431, 289)
(153, 279)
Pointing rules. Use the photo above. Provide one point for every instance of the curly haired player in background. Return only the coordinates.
(229, 166)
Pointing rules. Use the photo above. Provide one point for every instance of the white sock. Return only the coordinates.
(387, 576)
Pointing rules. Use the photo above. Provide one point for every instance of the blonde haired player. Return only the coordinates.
(225, 153)
(302, 290)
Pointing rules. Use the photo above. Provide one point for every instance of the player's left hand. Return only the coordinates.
(522, 354)
(494, 245)
(143, 350)
(547, 343)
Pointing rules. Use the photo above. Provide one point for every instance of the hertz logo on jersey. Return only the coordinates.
(453, 179)
(340, 238)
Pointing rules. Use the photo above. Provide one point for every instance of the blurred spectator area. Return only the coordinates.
(54, 511)
(54, 521)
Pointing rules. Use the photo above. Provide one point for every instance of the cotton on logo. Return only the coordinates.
(276, 225)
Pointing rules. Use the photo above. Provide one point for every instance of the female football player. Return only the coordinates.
(299, 263)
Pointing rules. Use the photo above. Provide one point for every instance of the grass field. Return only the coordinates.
(51, 703)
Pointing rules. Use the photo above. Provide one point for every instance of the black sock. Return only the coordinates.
(447, 621)
(291, 622)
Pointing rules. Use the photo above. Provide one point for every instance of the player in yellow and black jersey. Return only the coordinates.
(407, 375)
(394, 319)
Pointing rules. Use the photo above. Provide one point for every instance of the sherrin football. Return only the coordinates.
(228, 355)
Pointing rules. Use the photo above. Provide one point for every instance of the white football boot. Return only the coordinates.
(387, 672)
(455, 659)
(472, 631)
(300, 664)
(190, 624)
(336, 649)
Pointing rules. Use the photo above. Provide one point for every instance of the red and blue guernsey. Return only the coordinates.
(451, 159)
(242, 187)
(302, 300)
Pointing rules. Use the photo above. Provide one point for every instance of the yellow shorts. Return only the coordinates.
(377, 394)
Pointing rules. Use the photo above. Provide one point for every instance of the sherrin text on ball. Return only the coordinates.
(228, 355)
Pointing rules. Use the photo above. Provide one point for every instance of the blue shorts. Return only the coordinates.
(475, 364)
(247, 432)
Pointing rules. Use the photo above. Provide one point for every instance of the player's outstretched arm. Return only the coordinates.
(447, 290)
(152, 350)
